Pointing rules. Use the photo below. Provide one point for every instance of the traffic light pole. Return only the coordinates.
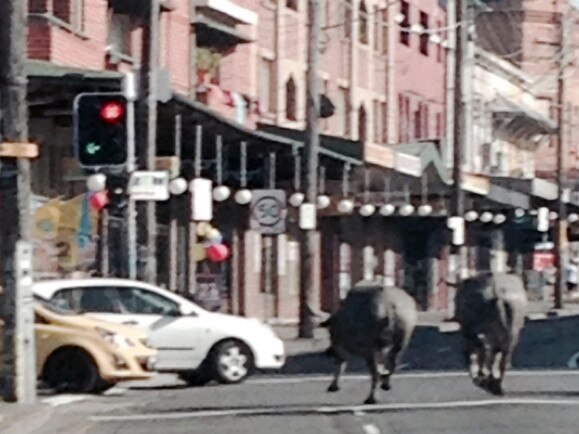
(154, 34)
(130, 91)
(19, 361)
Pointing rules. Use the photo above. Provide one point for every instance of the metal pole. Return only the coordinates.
(307, 295)
(450, 80)
(175, 213)
(130, 91)
(19, 370)
(192, 223)
(151, 268)
(561, 232)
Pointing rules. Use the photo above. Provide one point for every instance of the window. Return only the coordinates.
(424, 36)
(91, 299)
(292, 4)
(363, 23)
(343, 102)
(141, 301)
(290, 100)
(119, 38)
(418, 122)
(404, 118)
(425, 122)
(347, 18)
(384, 112)
(439, 125)
(405, 24)
(267, 85)
(362, 124)
(376, 122)
(69, 11)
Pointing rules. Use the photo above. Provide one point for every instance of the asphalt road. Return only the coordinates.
(428, 402)
(431, 394)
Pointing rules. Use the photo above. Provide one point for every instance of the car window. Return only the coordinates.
(142, 301)
(89, 299)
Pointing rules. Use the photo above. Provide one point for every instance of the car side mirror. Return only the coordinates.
(175, 313)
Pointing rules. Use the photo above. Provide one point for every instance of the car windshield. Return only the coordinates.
(53, 306)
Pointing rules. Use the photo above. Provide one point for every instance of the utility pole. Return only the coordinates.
(308, 251)
(19, 370)
(561, 231)
(154, 42)
(458, 135)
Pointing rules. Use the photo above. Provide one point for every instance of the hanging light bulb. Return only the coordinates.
(96, 182)
(573, 218)
(221, 193)
(519, 212)
(296, 199)
(424, 210)
(553, 215)
(367, 210)
(406, 210)
(486, 217)
(346, 206)
(387, 209)
(178, 186)
(243, 197)
(471, 216)
(499, 219)
(399, 18)
(323, 201)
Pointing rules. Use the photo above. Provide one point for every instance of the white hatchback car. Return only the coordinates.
(196, 344)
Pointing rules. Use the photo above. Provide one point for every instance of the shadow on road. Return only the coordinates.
(545, 344)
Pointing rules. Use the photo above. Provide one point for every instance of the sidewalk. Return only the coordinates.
(23, 418)
(538, 310)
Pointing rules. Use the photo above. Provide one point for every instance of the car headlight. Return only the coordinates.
(115, 339)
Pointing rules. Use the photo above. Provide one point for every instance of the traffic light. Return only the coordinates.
(100, 129)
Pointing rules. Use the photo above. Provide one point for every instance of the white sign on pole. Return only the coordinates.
(201, 200)
(149, 185)
(307, 216)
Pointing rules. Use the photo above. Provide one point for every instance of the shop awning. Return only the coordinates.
(423, 155)
(517, 116)
(211, 32)
(48, 70)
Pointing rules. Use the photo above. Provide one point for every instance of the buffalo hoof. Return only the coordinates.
(370, 400)
(481, 382)
(333, 388)
(495, 387)
(385, 385)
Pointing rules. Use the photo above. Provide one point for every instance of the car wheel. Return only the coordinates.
(71, 371)
(195, 378)
(231, 362)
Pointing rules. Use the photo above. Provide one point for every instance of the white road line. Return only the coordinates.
(333, 410)
(58, 400)
(572, 363)
(402, 375)
(371, 429)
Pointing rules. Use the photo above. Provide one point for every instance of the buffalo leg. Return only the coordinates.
(372, 363)
(338, 370)
(497, 374)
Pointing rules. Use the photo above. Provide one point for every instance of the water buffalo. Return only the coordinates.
(374, 322)
(491, 310)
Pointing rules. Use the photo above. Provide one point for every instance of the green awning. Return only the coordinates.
(44, 69)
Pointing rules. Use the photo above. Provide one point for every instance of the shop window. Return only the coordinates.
(363, 23)
(290, 102)
(405, 24)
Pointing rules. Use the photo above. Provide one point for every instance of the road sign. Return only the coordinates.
(18, 150)
(268, 211)
(149, 185)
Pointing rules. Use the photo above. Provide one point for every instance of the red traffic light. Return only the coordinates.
(112, 111)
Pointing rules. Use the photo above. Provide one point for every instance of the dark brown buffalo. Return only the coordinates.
(491, 310)
(373, 322)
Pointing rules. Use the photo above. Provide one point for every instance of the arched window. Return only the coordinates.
(363, 20)
(290, 99)
(362, 124)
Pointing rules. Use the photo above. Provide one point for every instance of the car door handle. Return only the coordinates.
(130, 323)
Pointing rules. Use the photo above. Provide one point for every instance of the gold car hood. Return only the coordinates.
(89, 323)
